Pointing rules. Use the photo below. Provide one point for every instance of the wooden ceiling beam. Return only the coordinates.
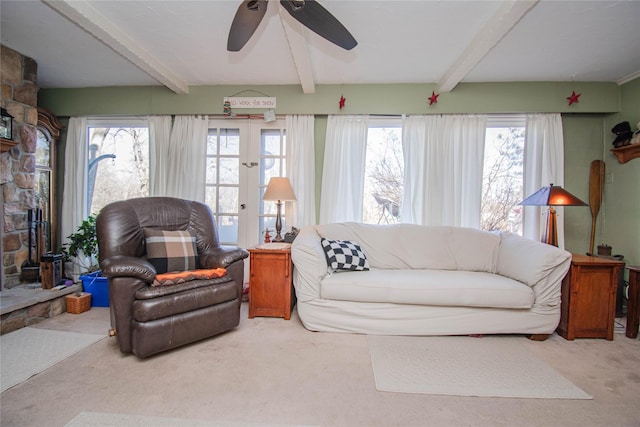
(295, 34)
(509, 14)
(84, 15)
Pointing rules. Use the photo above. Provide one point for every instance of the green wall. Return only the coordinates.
(586, 125)
(621, 219)
(361, 99)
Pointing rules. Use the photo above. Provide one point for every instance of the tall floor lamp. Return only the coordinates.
(552, 195)
(279, 189)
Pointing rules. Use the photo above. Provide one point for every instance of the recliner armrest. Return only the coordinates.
(127, 266)
(222, 256)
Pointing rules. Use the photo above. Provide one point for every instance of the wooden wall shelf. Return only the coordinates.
(626, 153)
(6, 144)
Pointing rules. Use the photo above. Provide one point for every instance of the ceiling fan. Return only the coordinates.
(308, 12)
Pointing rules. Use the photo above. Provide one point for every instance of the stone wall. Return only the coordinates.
(19, 95)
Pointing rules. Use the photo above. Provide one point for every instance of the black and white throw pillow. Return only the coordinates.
(344, 255)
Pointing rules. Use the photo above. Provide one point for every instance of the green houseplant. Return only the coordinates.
(82, 250)
(82, 247)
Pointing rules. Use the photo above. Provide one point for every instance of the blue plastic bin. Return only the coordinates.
(97, 286)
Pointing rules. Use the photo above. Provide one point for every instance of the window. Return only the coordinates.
(272, 164)
(383, 172)
(44, 182)
(502, 181)
(118, 167)
(502, 186)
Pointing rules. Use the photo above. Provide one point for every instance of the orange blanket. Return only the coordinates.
(173, 278)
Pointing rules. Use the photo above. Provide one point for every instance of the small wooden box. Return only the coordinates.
(78, 303)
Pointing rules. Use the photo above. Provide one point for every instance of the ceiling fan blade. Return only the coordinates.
(245, 23)
(319, 20)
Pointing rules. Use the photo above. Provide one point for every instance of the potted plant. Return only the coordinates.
(82, 251)
(82, 246)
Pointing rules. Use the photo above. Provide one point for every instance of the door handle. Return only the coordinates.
(243, 206)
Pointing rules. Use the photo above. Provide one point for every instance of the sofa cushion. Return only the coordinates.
(344, 255)
(407, 246)
(171, 250)
(428, 287)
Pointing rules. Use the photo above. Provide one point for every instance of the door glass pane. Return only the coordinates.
(228, 200)
(228, 229)
(222, 182)
(271, 145)
(272, 164)
(229, 170)
(229, 142)
(212, 171)
(211, 197)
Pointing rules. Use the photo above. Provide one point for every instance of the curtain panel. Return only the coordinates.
(543, 165)
(186, 169)
(159, 160)
(74, 193)
(443, 162)
(301, 170)
(343, 171)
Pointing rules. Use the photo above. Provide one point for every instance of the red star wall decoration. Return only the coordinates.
(573, 99)
(343, 100)
(433, 99)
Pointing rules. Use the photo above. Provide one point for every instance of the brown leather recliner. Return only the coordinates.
(150, 319)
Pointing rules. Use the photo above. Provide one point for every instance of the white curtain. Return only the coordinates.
(543, 165)
(74, 194)
(187, 158)
(301, 167)
(159, 160)
(344, 166)
(443, 160)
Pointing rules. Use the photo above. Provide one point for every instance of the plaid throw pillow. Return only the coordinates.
(344, 255)
(171, 250)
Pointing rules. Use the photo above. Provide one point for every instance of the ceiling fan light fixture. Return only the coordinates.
(296, 5)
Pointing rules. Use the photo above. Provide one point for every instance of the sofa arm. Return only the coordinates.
(536, 264)
(221, 256)
(310, 265)
(127, 266)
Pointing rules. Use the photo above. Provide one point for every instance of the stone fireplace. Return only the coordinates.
(17, 162)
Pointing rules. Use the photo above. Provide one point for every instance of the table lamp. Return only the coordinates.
(552, 195)
(279, 189)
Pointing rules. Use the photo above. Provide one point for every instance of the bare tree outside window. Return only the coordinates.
(118, 165)
(502, 181)
(383, 176)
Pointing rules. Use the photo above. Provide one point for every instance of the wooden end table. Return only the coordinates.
(589, 298)
(633, 303)
(271, 292)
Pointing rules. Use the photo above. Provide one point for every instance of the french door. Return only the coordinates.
(242, 155)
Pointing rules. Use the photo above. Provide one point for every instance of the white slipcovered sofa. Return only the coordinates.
(429, 281)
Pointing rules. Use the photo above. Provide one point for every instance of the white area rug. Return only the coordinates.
(466, 366)
(28, 351)
(100, 419)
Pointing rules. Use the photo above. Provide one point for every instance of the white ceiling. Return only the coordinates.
(183, 43)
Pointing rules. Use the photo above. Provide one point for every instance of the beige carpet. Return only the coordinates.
(464, 366)
(97, 419)
(28, 351)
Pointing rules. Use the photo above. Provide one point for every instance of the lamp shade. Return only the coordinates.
(552, 195)
(279, 188)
